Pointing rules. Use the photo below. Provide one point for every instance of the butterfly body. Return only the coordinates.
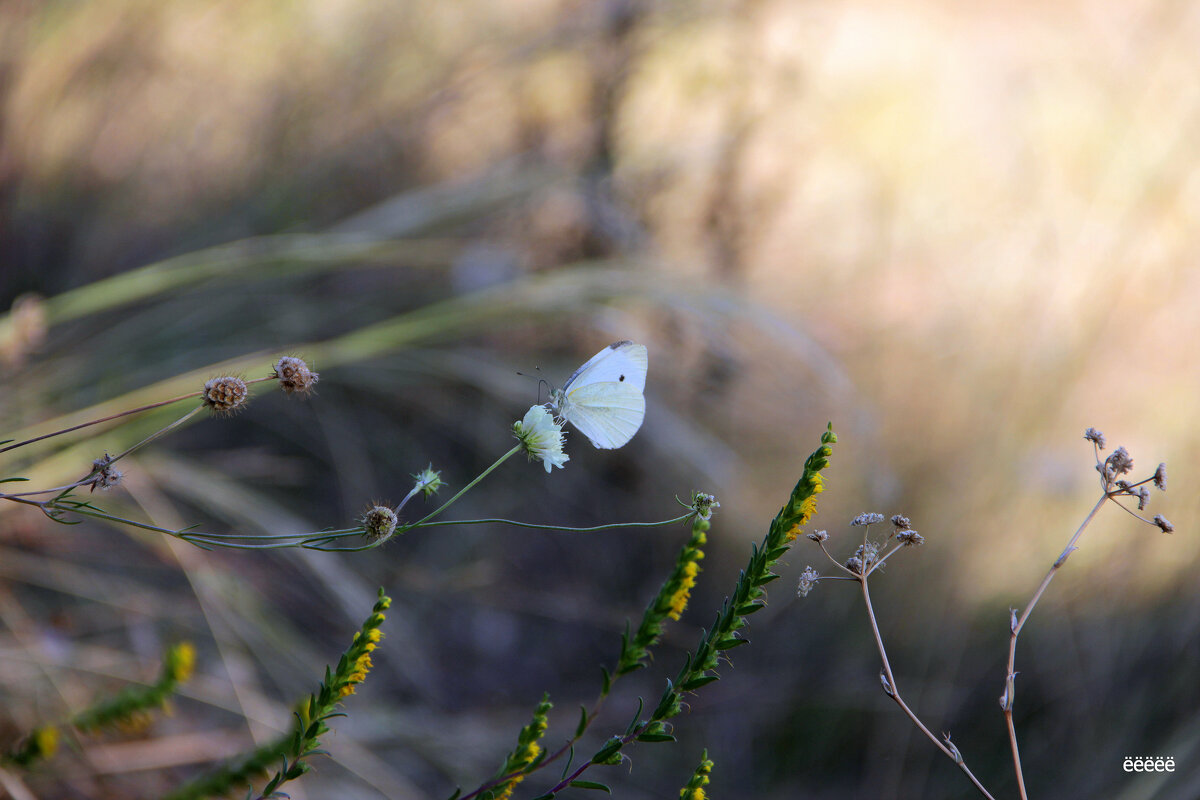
(603, 399)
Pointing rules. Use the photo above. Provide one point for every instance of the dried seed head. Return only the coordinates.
(901, 523)
(1093, 435)
(909, 538)
(379, 522)
(808, 580)
(818, 536)
(867, 519)
(1120, 462)
(225, 395)
(1160, 478)
(1163, 523)
(1143, 496)
(867, 553)
(106, 475)
(294, 375)
(855, 565)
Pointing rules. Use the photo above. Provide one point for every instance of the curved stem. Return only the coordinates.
(518, 524)
(109, 418)
(894, 693)
(1017, 625)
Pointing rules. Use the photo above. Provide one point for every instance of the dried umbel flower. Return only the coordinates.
(909, 538)
(818, 536)
(106, 475)
(294, 375)
(1160, 478)
(867, 519)
(808, 581)
(901, 523)
(1163, 523)
(1143, 496)
(867, 553)
(379, 522)
(225, 395)
(1119, 463)
(1093, 435)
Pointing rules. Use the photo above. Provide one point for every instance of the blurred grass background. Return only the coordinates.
(962, 233)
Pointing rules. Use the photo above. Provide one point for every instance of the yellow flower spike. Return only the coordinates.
(181, 662)
(679, 599)
(46, 740)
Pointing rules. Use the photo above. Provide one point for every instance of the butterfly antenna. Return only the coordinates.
(541, 382)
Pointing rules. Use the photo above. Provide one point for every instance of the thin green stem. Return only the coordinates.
(109, 418)
(568, 529)
(465, 489)
(157, 434)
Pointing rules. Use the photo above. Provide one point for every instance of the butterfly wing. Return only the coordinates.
(607, 413)
(603, 398)
(620, 362)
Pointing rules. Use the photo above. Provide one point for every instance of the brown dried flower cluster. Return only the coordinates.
(225, 395)
(379, 522)
(294, 375)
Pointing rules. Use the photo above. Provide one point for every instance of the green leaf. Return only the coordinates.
(731, 642)
(569, 760)
(457, 794)
(656, 737)
(696, 683)
(11, 480)
(583, 722)
(605, 754)
(590, 785)
(636, 716)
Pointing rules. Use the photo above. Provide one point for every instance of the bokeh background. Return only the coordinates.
(963, 233)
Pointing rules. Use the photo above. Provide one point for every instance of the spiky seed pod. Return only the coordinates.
(380, 523)
(294, 375)
(225, 395)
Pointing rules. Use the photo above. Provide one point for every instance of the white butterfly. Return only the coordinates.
(603, 398)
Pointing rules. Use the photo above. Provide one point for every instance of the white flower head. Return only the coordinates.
(541, 437)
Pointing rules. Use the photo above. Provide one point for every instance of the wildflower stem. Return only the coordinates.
(1010, 676)
(895, 695)
(885, 557)
(835, 562)
(568, 529)
(109, 418)
(464, 490)
(157, 434)
(411, 494)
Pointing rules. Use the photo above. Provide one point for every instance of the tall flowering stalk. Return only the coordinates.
(871, 555)
(312, 714)
(699, 668)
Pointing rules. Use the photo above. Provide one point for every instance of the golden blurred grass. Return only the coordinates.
(962, 233)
